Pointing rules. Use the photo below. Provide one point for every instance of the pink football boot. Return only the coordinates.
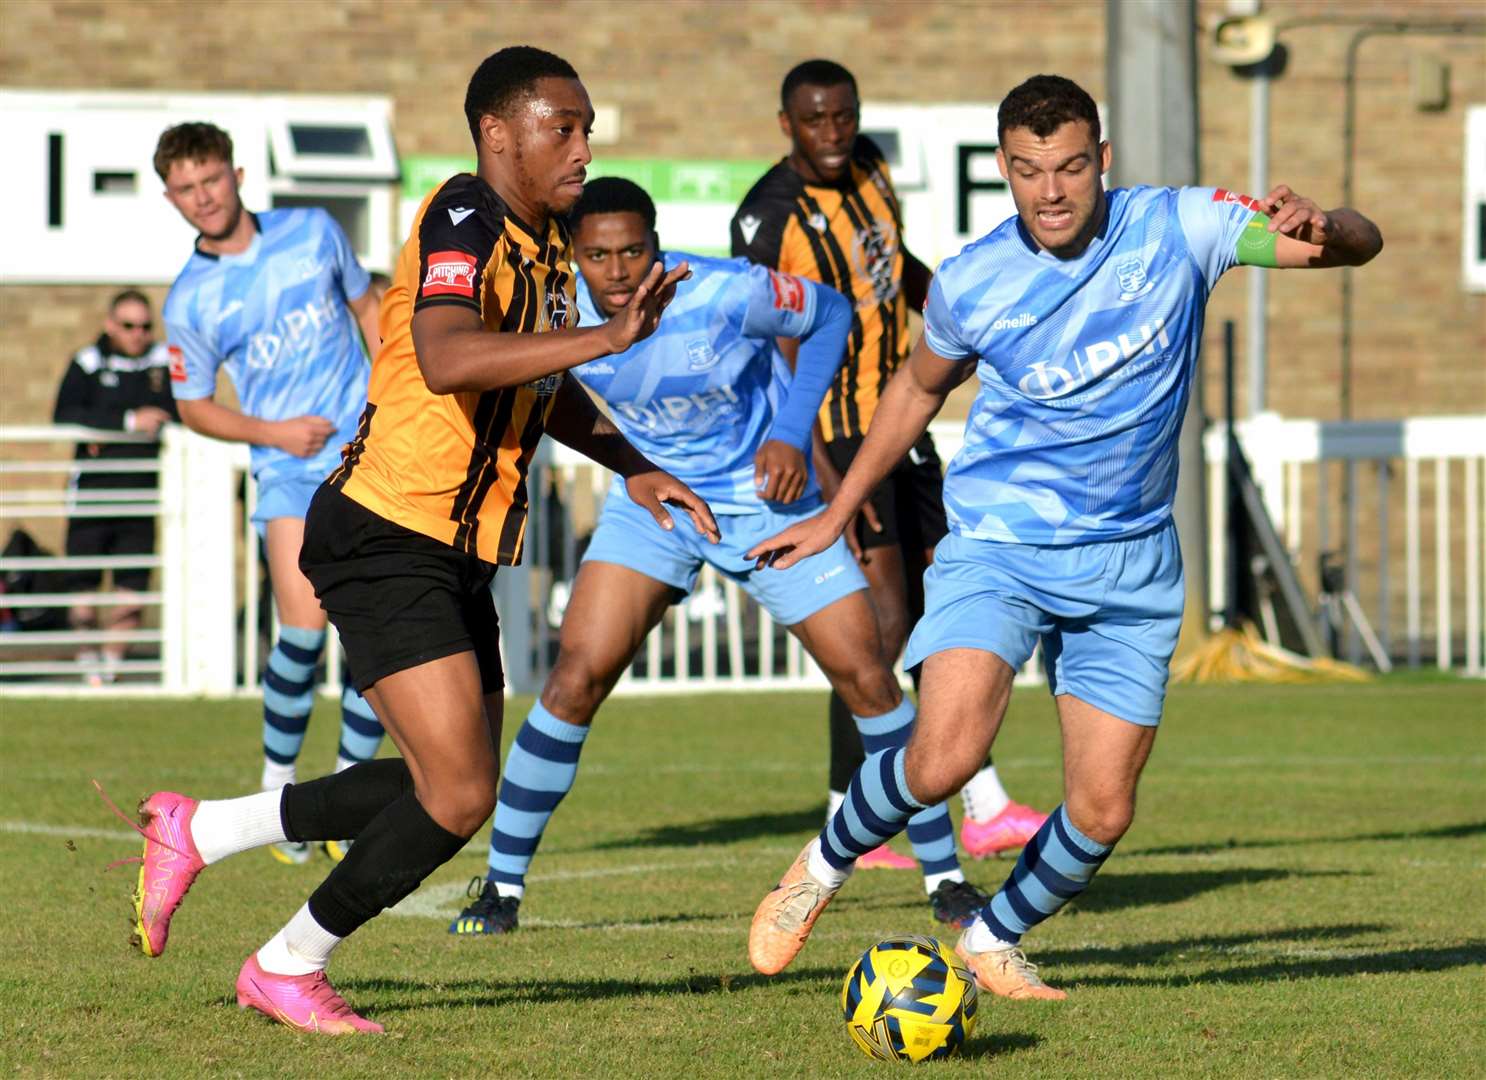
(304, 1002)
(168, 867)
(1007, 831)
(883, 857)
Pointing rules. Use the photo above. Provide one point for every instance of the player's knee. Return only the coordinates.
(1104, 818)
(464, 806)
(868, 689)
(573, 691)
(932, 778)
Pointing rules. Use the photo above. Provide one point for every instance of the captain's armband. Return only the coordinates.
(1256, 244)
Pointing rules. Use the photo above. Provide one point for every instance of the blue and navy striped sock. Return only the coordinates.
(930, 831)
(878, 805)
(361, 731)
(1055, 867)
(540, 768)
(288, 693)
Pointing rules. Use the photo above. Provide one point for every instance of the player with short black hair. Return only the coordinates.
(709, 397)
(505, 79)
(828, 211)
(1082, 317)
(403, 540)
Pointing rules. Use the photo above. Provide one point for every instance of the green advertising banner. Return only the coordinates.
(667, 179)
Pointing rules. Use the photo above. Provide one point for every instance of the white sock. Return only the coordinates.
(834, 800)
(823, 871)
(342, 763)
(302, 947)
(275, 775)
(502, 889)
(933, 881)
(980, 939)
(983, 796)
(223, 827)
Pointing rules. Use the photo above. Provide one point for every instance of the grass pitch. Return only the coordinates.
(1302, 895)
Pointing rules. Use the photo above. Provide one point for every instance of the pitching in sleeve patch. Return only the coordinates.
(177, 364)
(1223, 195)
(1256, 244)
(450, 273)
(789, 292)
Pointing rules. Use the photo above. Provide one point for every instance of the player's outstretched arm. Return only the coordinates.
(1305, 236)
(457, 353)
(913, 397)
(576, 422)
(303, 436)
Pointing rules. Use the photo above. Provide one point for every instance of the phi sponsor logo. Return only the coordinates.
(1133, 280)
(1015, 322)
(450, 273)
(1047, 380)
(700, 355)
(677, 412)
(295, 331)
(597, 367)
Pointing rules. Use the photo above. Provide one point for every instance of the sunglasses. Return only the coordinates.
(136, 325)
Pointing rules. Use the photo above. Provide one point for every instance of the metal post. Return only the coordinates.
(1151, 56)
(1256, 322)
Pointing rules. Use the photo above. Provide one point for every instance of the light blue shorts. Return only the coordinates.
(1107, 613)
(287, 496)
(628, 536)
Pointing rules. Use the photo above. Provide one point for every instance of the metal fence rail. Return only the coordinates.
(1413, 529)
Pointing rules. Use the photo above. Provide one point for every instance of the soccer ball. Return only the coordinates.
(909, 999)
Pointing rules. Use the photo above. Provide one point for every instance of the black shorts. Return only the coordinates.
(95, 536)
(909, 503)
(397, 597)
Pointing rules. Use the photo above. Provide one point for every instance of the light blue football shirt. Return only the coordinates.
(699, 396)
(276, 317)
(1084, 365)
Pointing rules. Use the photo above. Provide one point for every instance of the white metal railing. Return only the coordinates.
(1426, 591)
(38, 474)
(1334, 485)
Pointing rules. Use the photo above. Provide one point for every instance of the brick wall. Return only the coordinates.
(700, 80)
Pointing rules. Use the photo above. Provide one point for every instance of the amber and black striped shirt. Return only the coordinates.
(453, 466)
(850, 238)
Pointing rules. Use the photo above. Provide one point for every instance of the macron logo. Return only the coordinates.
(459, 213)
(748, 226)
(1016, 322)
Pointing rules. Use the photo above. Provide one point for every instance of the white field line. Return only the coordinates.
(38, 828)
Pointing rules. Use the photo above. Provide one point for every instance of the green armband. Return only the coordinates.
(1256, 243)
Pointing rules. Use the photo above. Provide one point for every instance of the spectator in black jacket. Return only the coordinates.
(121, 382)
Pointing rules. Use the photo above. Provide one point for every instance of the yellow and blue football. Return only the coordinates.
(909, 999)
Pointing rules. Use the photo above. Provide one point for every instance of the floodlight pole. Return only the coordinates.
(1151, 63)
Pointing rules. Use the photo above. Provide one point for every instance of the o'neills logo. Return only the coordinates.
(1016, 322)
(450, 273)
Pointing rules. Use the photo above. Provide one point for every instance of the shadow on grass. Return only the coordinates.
(1443, 832)
(1148, 952)
(1001, 1045)
(1283, 969)
(722, 830)
(1116, 889)
(410, 994)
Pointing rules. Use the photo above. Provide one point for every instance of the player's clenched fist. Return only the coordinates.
(303, 436)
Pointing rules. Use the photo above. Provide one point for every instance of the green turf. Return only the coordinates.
(1301, 895)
